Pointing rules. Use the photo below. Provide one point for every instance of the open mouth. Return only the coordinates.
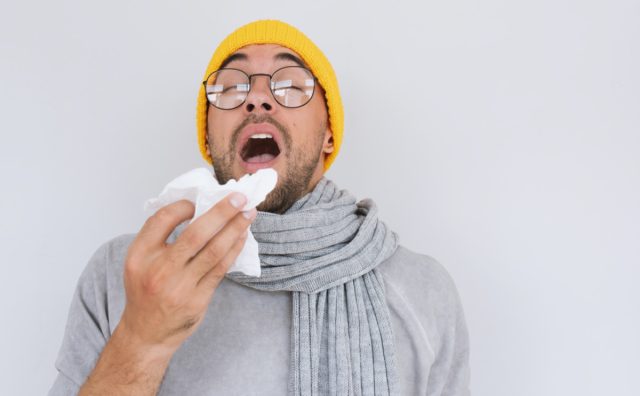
(260, 148)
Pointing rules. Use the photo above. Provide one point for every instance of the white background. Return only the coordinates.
(500, 137)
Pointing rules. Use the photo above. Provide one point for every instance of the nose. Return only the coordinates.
(259, 99)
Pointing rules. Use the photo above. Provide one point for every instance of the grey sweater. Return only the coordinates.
(242, 346)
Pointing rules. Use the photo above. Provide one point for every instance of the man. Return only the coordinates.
(339, 308)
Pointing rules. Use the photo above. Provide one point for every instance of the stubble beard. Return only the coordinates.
(300, 168)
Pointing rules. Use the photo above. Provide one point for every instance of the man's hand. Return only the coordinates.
(168, 288)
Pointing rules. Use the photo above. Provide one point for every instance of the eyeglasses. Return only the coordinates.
(291, 86)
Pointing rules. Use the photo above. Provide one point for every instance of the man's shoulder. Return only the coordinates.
(116, 248)
(118, 245)
(420, 281)
(407, 268)
(108, 259)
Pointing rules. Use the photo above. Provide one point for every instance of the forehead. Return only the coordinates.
(261, 56)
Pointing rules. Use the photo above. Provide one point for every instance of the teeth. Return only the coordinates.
(261, 136)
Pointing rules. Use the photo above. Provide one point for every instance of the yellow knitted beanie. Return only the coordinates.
(276, 32)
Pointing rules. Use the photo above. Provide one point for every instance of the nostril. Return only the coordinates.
(250, 107)
(266, 106)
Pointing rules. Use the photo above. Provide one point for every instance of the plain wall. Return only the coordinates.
(500, 137)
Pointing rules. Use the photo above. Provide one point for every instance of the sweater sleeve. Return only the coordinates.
(87, 329)
(63, 386)
(449, 374)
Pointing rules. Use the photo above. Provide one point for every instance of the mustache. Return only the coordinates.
(257, 119)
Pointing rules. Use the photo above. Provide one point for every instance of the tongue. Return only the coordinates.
(260, 158)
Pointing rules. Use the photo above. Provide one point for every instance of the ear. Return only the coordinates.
(327, 146)
(206, 145)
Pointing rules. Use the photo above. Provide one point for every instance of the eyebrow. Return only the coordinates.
(234, 57)
(282, 56)
(290, 57)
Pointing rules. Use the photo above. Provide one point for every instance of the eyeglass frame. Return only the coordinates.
(250, 77)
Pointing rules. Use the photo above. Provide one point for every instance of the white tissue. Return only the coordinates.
(201, 188)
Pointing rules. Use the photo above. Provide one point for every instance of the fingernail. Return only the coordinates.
(237, 200)
(249, 214)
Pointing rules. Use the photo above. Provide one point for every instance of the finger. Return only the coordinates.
(199, 233)
(216, 250)
(159, 226)
(212, 278)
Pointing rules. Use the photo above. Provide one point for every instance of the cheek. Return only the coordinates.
(306, 125)
(219, 129)
(316, 116)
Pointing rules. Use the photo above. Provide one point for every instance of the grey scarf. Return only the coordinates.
(325, 250)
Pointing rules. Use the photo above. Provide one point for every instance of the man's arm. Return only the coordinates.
(127, 367)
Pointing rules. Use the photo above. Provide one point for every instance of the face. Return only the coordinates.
(261, 133)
